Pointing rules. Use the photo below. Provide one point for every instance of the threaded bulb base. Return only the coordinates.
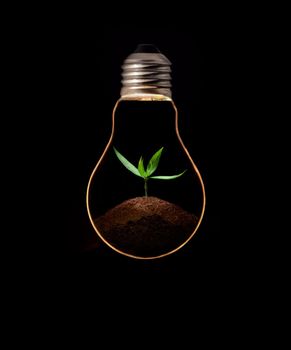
(146, 73)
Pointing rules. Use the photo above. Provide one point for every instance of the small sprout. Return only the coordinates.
(150, 169)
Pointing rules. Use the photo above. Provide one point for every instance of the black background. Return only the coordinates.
(219, 69)
(212, 91)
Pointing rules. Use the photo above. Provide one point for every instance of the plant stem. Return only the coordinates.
(146, 187)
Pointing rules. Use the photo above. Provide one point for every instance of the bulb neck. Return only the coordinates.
(146, 75)
(145, 97)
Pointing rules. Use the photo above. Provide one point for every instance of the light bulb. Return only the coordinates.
(135, 209)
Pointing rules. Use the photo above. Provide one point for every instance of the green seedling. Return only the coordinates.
(146, 174)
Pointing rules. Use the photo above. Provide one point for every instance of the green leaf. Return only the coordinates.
(168, 177)
(141, 168)
(154, 162)
(126, 163)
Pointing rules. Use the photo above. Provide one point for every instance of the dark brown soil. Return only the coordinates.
(146, 226)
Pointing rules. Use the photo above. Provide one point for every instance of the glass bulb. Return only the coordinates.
(147, 208)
